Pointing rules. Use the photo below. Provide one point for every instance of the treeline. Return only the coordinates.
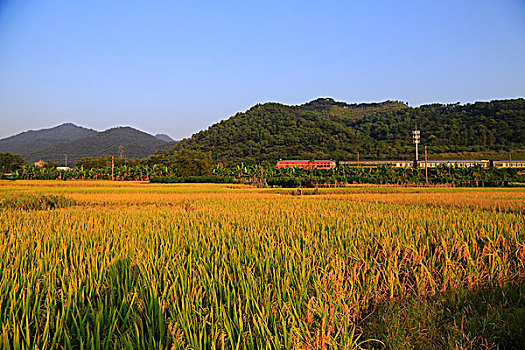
(343, 175)
(194, 167)
(176, 163)
(182, 162)
(122, 173)
(461, 177)
(326, 129)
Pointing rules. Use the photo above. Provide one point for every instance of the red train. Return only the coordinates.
(308, 164)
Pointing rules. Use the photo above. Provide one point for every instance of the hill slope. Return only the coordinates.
(324, 128)
(164, 137)
(33, 140)
(77, 142)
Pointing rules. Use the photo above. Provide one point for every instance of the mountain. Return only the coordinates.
(78, 142)
(327, 129)
(319, 129)
(29, 141)
(164, 137)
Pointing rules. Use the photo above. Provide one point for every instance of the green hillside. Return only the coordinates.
(324, 128)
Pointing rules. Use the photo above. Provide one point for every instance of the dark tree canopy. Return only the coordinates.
(191, 163)
(182, 162)
(10, 162)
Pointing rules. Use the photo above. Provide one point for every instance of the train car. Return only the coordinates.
(420, 163)
(457, 163)
(516, 164)
(329, 164)
(375, 163)
(307, 164)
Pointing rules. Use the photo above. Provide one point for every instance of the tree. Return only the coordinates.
(192, 163)
(10, 162)
(50, 165)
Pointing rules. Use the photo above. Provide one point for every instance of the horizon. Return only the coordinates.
(177, 69)
(177, 140)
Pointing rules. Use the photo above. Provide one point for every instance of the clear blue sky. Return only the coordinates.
(177, 67)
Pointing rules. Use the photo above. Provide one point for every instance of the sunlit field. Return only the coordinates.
(138, 265)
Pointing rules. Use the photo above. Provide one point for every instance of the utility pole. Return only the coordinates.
(416, 136)
(357, 157)
(121, 151)
(66, 161)
(112, 167)
(426, 165)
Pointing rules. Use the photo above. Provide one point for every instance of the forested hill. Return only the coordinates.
(33, 140)
(78, 142)
(135, 144)
(324, 128)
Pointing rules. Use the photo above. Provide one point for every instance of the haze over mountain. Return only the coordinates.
(327, 129)
(78, 142)
(164, 137)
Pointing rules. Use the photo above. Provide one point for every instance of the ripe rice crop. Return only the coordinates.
(218, 266)
(34, 202)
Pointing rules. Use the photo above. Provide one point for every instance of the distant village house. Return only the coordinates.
(40, 164)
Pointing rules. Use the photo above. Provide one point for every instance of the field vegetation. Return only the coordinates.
(167, 169)
(135, 265)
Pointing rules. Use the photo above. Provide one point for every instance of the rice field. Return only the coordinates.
(175, 266)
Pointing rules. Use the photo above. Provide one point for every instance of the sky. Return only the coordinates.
(177, 67)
